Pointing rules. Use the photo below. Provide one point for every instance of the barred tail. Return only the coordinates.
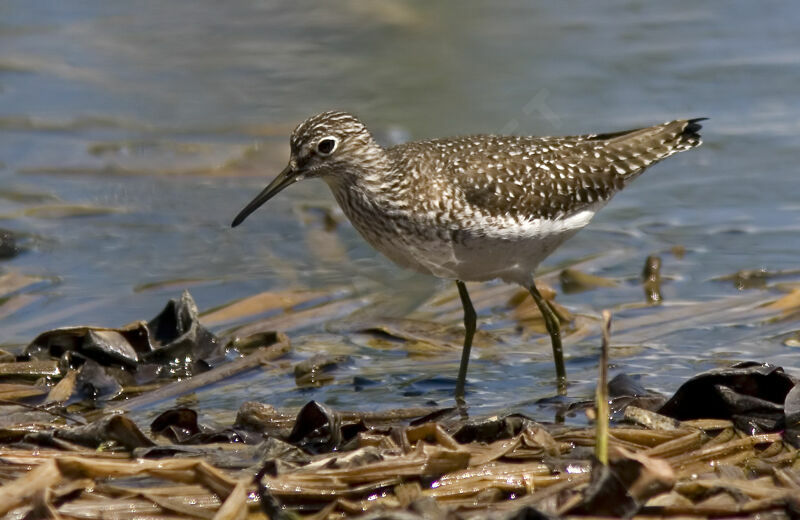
(631, 152)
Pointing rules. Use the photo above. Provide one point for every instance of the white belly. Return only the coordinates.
(511, 251)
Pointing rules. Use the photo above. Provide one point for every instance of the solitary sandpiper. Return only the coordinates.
(473, 208)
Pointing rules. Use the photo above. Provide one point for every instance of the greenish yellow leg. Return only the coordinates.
(553, 325)
(470, 321)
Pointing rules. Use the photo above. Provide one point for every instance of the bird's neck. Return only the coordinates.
(375, 182)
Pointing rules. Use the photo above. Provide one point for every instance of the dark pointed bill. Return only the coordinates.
(284, 179)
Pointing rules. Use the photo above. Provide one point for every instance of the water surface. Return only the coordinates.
(131, 133)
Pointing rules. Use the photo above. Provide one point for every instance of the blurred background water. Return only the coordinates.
(132, 132)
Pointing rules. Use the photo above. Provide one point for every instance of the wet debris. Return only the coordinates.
(29, 369)
(752, 395)
(791, 411)
(420, 337)
(7, 357)
(261, 356)
(253, 342)
(98, 363)
(176, 333)
(651, 279)
(18, 291)
(93, 366)
(319, 429)
(262, 303)
(177, 424)
(181, 426)
(416, 331)
(621, 488)
(315, 371)
(527, 314)
(94, 382)
(265, 418)
(174, 340)
(64, 211)
(327, 215)
(678, 251)
(115, 431)
(491, 429)
(723, 445)
(625, 391)
(793, 340)
(650, 419)
(405, 463)
(755, 278)
(9, 245)
(12, 391)
(574, 281)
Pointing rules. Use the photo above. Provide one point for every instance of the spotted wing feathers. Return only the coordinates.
(548, 177)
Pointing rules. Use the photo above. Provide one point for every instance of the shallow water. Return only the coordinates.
(132, 133)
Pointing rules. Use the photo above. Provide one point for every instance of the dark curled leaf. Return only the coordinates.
(225, 435)
(176, 333)
(270, 505)
(173, 344)
(625, 391)
(180, 425)
(491, 430)
(621, 488)
(121, 347)
(94, 383)
(606, 495)
(791, 408)
(177, 424)
(439, 415)
(749, 394)
(8, 244)
(624, 385)
(229, 457)
(174, 340)
(318, 429)
(161, 452)
(116, 428)
(276, 449)
(529, 513)
(54, 343)
(109, 347)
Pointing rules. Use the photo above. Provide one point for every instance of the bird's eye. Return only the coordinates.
(326, 145)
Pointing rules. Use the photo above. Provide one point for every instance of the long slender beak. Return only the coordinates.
(284, 179)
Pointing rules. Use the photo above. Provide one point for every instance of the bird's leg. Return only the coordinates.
(553, 326)
(470, 320)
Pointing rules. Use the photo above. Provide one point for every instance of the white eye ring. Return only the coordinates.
(329, 142)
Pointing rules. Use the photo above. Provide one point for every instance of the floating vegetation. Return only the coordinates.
(651, 279)
(427, 463)
(9, 246)
(755, 278)
(574, 280)
(725, 444)
(57, 211)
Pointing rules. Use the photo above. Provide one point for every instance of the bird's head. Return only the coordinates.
(331, 145)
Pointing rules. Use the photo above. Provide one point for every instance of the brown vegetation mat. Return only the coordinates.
(435, 466)
(725, 445)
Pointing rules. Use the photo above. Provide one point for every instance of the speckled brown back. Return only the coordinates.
(544, 177)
